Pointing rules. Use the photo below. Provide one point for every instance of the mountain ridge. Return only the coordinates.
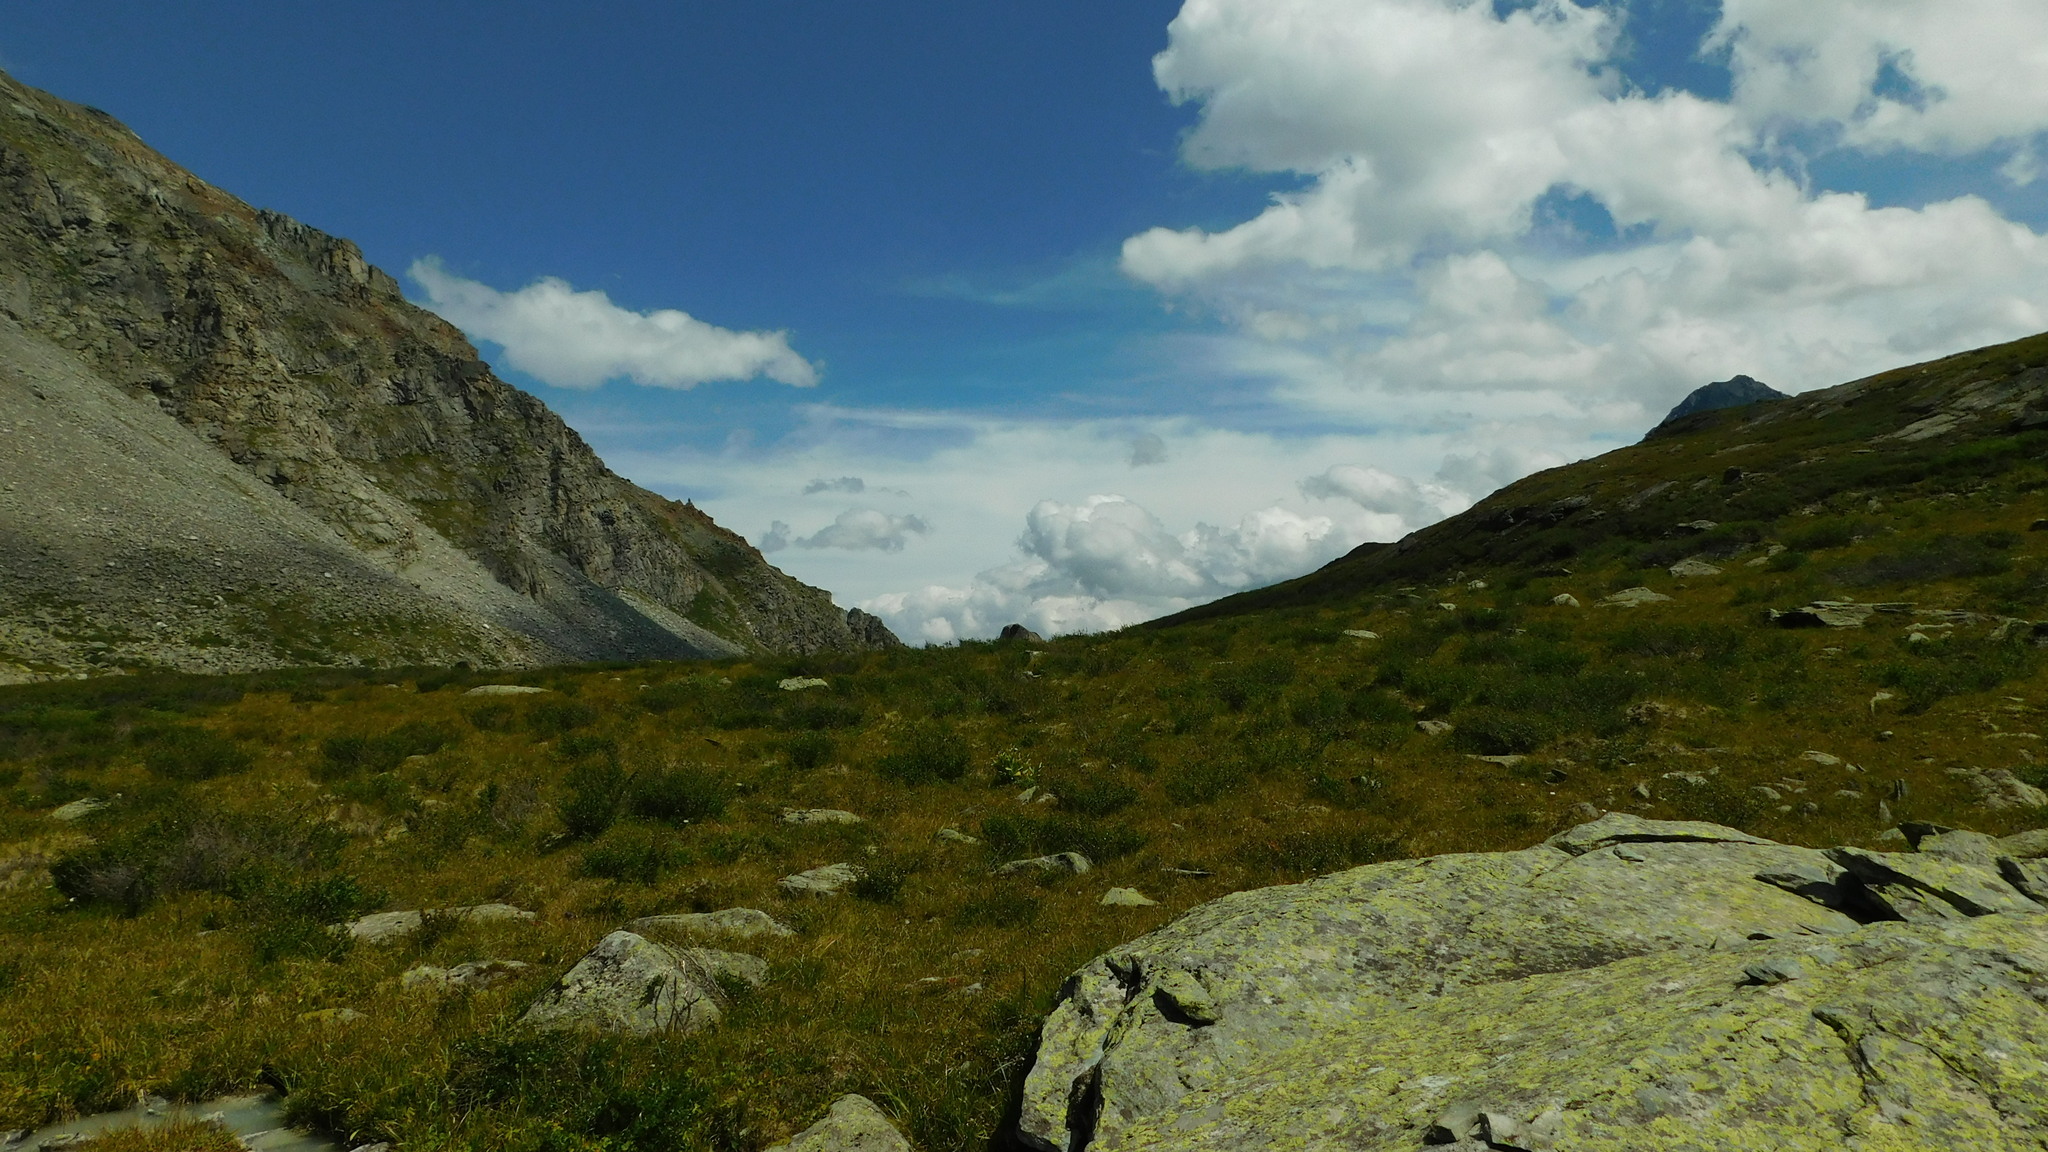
(281, 349)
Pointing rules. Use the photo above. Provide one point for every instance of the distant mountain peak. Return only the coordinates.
(1731, 393)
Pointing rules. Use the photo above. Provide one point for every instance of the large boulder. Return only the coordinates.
(853, 1124)
(631, 984)
(1629, 984)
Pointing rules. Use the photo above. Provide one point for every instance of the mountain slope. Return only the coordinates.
(1734, 392)
(406, 505)
(1918, 431)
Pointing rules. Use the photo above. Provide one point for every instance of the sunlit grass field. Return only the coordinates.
(176, 940)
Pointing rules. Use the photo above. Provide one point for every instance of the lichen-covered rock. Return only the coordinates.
(853, 1124)
(1068, 862)
(825, 880)
(1630, 984)
(381, 927)
(743, 922)
(631, 984)
(819, 816)
(470, 974)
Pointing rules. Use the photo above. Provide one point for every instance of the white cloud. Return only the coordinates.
(1943, 76)
(854, 530)
(853, 484)
(577, 339)
(1413, 274)
(1147, 449)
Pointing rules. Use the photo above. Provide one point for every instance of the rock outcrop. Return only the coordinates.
(230, 443)
(1738, 392)
(1629, 984)
(631, 984)
(853, 1124)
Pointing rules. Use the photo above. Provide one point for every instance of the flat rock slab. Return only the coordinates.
(504, 690)
(742, 922)
(472, 974)
(1070, 862)
(800, 683)
(77, 809)
(1127, 898)
(1630, 984)
(631, 984)
(1692, 568)
(829, 880)
(819, 816)
(853, 1124)
(1635, 597)
(380, 927)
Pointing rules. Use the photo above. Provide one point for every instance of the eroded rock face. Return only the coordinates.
(1630, 984)
(631, 984)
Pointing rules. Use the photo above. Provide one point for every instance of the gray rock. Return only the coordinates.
(800, 683)
(631, 984)
(956, 836)
(1692, 568)
(746, 923)
(828, 880)
(1361, 633)
(2025, 845)
(1017, 633)
(1390, 956)
(1998, 788)
(504, 690)
(819, 816)
(1972, 848)
(473, 974)
(1635, 597)
(382, 927)
(1435, 727)
(1565, 600)
(853, 1124)
(1127, 898)
(1069, 862)
(78, 809)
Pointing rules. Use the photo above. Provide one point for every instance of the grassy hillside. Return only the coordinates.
(181, 951)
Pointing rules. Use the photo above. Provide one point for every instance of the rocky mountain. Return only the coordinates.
(1700, 480)
(230, 443)
(1732, 393)
(1628, 984)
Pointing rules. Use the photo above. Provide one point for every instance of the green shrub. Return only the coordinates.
(881, 881)
(631, 855)
(551, 718)
(1006, 907)
(1093, 795)
(1311, 851)
(1498, 732)
(808, 751)
(186, 753)
(1202, 781)
(930, 752)
(596, 789)
(350, 755)
(679, 794)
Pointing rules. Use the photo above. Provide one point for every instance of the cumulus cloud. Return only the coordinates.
(1107, 562)
(854, 530)
(1437, 137)
(853, 484)
(574, 339)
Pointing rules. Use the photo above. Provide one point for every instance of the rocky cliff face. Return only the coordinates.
(384, 496)
(1629, 984)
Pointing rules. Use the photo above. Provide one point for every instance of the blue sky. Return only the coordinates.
(1114, 307)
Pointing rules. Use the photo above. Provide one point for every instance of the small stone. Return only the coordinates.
(1362, 633)
(829, 880)
(800, 683)
(1453, 1124)
(1127, 898)
(1821, 758)
(379, 927)
(741, 922)
(1435, 727)
(1776, 970)
(853, 1124)
(1565, 600)
(472, 974)
(819, 816)
(1692, 568)
(1585, 810)
(1635, 597)
(956, 836)
(1642, 790)
(1070, 862)
(1179, 993)
(78, 809)
(503, 690)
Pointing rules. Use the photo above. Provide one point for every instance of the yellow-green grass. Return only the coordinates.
(1256, 749)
